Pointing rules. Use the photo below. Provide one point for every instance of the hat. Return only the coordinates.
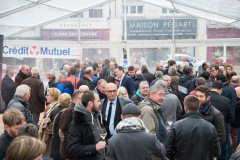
(131, 109)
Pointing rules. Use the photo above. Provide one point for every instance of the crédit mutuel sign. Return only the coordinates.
(41, 51)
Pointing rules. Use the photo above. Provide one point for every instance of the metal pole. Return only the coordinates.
(79, 32)
(173, 36)
(224, 53)
(125, 20)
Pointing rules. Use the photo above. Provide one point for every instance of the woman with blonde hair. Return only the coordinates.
(64, 101)
(52, 98)
(122, 92)
(229, 68)
(25, 148)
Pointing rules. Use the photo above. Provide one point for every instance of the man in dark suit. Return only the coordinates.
(111, 108)
(8, 87)
(125, 80)
(223, 105)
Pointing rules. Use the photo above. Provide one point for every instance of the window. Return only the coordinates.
(95, 13)
(140, 9)
(167, 11)
(178, 58)
(133, 10)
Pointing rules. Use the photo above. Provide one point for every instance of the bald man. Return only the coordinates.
(87, 79)
(111, 108)
(84, 88)
(234, 82)
(24, 73)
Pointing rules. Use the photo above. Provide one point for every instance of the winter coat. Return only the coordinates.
(86, 81)
(137, 81)
(138, 144)
(101, 95)
(171, 106)
(104, 73)
(22, 105)
(148, 76)
(5, 141)
(37, 98)
(7, 88)
(20, 77)
(53, 83)
(185, 86)
(179, 73)
(66, 86)
(174, 80)
(84, 133)
(215, 117)
(192, 138)
(137, 98)
(236, 123)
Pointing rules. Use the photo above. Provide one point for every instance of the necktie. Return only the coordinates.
(109, 114)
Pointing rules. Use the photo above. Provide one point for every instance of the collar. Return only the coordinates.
(122, 77)
(114, 101)
(205, 107)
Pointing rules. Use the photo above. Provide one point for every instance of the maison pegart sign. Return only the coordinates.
(161, 27)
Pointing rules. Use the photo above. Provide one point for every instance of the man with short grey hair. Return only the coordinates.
(66, 67)
(101, 85)
(52, 79)
(142, 93)
(8, 87)
(20, 101)
(65, 85)
(24, 73)
(37, 98)
(87, 79)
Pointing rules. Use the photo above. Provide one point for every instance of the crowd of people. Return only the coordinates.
(98, 111)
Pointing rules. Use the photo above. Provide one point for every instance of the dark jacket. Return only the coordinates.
(192, 138)
(56, 140)
(20, 77)
(86, 81)
(66, 86)
(229, 92)
(65, 120)
(222, 104)
(108, 73)
(5, 140)
(215, 117)
(103, 74)
(7, 88)
(101, 95)
(81, 139)
(127, 82)
(95, 80)
(37, 98)
(179, 73)
(22, 105)
(236, 123)
(136, 99)
(134, 145)
(185, 86)
(175, 91)
(148, 76)
(53, 83)
(137, 81)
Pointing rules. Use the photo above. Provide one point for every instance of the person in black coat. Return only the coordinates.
(87, 79)
(139, 78)
(146, 74)
(192, 137)
(8, 87)
(101, 85)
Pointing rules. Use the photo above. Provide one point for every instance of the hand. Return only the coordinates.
(168, 129)
(100, 145)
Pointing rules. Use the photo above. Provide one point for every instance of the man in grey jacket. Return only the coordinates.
(140, 144)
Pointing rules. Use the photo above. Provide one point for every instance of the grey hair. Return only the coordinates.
(163, 84)
(179, 66)
(22, 89)
(66, 66)
(155, 88)
(143, 82)
(24, 66)
(167, 76)
(159, 75)
(35, 71)
(9, 70)
(84, 88)
(173, 69)
(63, 74)
(101, 81)
(121, 89)
(52, 72)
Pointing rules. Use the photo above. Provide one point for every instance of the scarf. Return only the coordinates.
(21, 74)
(204, 108)
(51, 109)
(132, 123)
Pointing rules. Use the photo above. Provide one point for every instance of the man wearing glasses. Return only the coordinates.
(111, 108)
(214, 72)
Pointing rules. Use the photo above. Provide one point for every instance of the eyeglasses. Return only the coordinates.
(212, 70)
(112, 91)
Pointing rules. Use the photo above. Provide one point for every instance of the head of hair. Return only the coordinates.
(121, 89)
(120, 68)
(200, 81)
(167, 76)
(179, 66)
(138, 73)
(204, 89)
(229, 65)
(63, 74)
(24, 66)
(64, 100)
(204, 64)
(9, 70)
(88, 96)
(171, 62)
(52, 72)
(106, 63)
(205, 75)
(101, 81)
(217, 85)
(162, 83)
(191, 102)
(131, 68)
(155, 88)
(88, 70)
(221, 77)
(233, 73)
(77, 65)
(95, 64)
(12, 117)
(76, 93)
(72, 71)
(143, 82)
(173, 69)
(235, 79)
(215, 67)
(66, 66)
(111, 79)
(144, 67)
(159, 75)
(28, 130)
(54, 92)
(187, 70)
(25, 148)
(35, 71)
(238, 91)
(22, 89)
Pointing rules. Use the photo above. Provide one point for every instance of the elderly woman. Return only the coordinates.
(122, 92)
(52, 98)
(64, 101)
